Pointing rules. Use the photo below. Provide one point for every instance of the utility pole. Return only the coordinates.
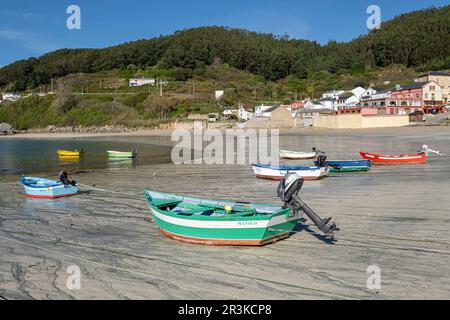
(51, 86)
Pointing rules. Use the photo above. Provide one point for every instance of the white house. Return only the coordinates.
(218, 94)
(228, 111)
(358, 92)
(347, 101)
(139, 82)
(244, 115)
(369, 92)
(264, 111)
(329, 103)
(313, 105)
(332, 94)
(11, 96)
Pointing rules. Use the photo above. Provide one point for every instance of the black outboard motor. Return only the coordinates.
(321, 158)
(321, 161)
(288, 193)
(65, 179)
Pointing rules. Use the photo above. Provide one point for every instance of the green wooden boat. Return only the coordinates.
(213, 222)
(122, 155)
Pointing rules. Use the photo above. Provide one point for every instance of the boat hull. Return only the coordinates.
(278, 173)
(226, 231)
(395, 159)
(121, 155)
(52, 191)
(349, 166)
(292, 155)
(65, 153)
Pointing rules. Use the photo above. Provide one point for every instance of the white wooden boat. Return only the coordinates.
(295, 155)
(277, 173)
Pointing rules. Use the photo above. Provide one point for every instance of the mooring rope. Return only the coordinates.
(107, 191)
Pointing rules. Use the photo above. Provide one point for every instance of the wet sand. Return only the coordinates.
(395, 217)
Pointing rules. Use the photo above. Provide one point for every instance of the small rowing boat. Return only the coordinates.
(46, 189)
(349, 165)
(295, 155)
(277, 173)
(395, 159)
(213, 222)
(122, 155)
(69, 153)
(217, 222)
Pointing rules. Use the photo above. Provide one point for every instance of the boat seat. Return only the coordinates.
(194, 211)
(166, 203)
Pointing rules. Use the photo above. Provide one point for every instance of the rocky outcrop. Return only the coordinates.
(6, 128)
(81, 129)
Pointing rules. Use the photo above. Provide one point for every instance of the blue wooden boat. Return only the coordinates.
(46, 188)
(349, 165)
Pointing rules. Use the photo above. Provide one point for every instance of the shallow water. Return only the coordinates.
(26, 156)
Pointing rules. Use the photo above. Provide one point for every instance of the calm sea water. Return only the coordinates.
(25, 156)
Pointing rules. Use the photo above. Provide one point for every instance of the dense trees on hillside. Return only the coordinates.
(419, 39)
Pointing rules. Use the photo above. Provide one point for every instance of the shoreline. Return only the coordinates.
(168, 132)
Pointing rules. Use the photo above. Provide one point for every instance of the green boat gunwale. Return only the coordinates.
(231, 217)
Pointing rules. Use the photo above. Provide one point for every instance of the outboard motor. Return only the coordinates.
(427, 150)
(288, 191)
(65, 179)
(321, 161)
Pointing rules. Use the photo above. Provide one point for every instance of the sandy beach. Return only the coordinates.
(394, 217)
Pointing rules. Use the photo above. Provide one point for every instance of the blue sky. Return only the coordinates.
(31, 28)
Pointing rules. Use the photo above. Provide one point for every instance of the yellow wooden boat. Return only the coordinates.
(68, 153)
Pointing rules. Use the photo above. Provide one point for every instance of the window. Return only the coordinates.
(393, 103)
(404, 103)
(417, 96)
(432, 88)
(426, 95)
(382, 103)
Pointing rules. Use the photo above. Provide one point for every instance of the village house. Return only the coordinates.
(419, 96)
(441, 78)
(263, 111)
(139, 82)
(10, 96)
(281, 113)
(347, 101)
(313, 105)
(358, 92)
(297, 105)
(244, 114)
(229, 111)
(374, 102)
(369, 92)
(332, 94)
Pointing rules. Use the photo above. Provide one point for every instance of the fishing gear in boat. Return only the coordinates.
(288, 192)
(63, 177)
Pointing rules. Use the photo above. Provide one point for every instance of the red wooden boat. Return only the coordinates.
(398, 159)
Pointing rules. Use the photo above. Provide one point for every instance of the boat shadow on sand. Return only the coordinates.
(303, 227)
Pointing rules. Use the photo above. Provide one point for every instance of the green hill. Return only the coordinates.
(91, 84)
(419, 39)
